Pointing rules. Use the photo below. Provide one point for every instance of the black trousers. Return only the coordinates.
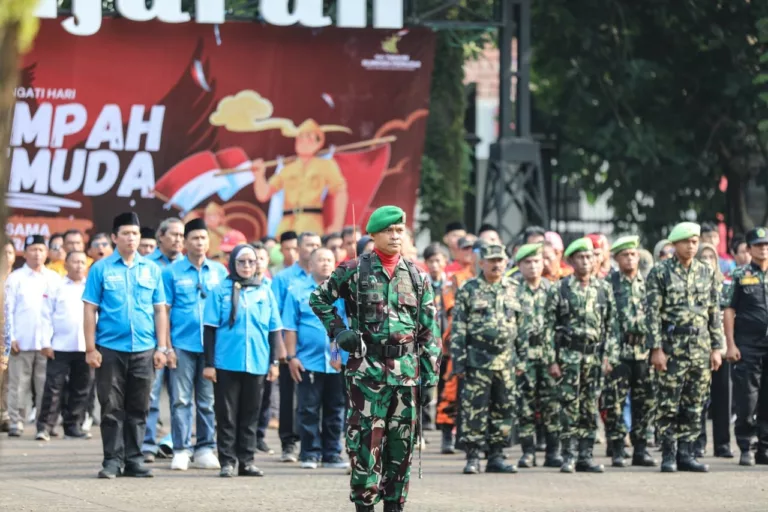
(750, 394)
(123, 383)
(287, 428)
(68, 380)
(719, 405)
(237, 402)
(264, 414)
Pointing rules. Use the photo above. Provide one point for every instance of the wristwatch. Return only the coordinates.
(275, 362)
(162, 350)
(288, 358)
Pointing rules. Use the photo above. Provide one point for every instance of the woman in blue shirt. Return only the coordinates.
(243, 343)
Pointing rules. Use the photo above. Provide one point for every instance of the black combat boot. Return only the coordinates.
(364, 508)
(553, 459)
(528, 460)
(668, 456)
(446, 447)
(472, 466)
(496, 462)
(686, 461)
(585, 463)
(617, 450)
(747, 458)
(392, 506)
(567, 452)
(641, 457)
(761, 457)
(541, 444)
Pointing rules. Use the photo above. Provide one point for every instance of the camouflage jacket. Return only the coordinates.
(583, 317)
(682, 297)
(387, 317)
(630, 313)
(484, 332)
(531, 329)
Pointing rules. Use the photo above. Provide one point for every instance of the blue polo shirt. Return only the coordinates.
(245, 346)
(126, 298)
(186, 289)
(286, 278)
(161, 259)
(313, 347)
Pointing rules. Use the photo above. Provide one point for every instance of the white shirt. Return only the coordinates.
(25, 294)
(64, 315)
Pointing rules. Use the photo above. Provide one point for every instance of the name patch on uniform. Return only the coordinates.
(745, 281)
(185, 282)
(114, 278)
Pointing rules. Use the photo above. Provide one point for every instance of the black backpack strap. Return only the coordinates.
(616, 283)
(564, 283)
(417, 282)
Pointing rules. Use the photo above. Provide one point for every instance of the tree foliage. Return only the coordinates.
(656, 102)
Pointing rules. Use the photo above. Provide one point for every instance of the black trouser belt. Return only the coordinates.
(298, 211)
(534, 340)
(583, 346)
(633, 339)
(390, 351)
(683, 330)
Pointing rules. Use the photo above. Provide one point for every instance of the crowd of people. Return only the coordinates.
(533, 342)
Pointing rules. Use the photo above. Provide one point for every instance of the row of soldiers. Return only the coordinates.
(522, 345)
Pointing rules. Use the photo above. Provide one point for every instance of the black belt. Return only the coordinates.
(534, 341)
(683, 330)
(583, 346)
(633, 339)
(391, 351)
(299, 211)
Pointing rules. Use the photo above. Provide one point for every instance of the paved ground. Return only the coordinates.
(60, 476)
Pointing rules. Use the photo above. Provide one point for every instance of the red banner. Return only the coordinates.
(255, 128)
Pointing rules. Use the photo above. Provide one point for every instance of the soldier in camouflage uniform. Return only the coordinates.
(394, 346)
(485, 349)
(632, 377)
(685, 336)
(536, 385)
(580, 325)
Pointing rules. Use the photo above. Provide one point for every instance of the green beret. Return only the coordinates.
(579, 245)
(527, 250)
(624, 243)
(492, 251)
(384, 217)
(684, 231)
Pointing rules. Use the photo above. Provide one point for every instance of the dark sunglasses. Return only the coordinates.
(202, 291)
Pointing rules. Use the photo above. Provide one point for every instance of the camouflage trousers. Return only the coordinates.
(381, 422)
(579, 389)
(636, 380)
(683, 389)
(537, 393)
(487, 408)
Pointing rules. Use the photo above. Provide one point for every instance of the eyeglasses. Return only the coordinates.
(246, 263)
(99, 245)
(202, 291)
(55, 247)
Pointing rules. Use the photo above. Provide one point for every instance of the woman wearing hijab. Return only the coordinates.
(243, 346)
(663, 250)
(720, 388)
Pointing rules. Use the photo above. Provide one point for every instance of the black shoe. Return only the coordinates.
(528, 460)
(263, 447)
(496, 462)
(668, 457)
(641, 457)
(227, 471)
(472, 467)
(5, 426)
(761, 457)
(724, 452)
(686, 460)
(747, 458)
(567, 466)
(249, 470)
(618, 460)
(553, 459)
(109, 473)
(149, 457)
(391, 506)
(14, 432)
(137, 472)
(585, 463)
(363, 508)
(447, 446)
(77, 434)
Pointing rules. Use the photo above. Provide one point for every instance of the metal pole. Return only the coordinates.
(506, 35)
(523, 96)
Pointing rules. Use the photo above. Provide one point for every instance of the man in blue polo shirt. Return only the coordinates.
(282, 282)
(125, 345)
(320, 386)
(188, 281)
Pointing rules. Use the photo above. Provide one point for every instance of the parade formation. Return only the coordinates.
(493, 346)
